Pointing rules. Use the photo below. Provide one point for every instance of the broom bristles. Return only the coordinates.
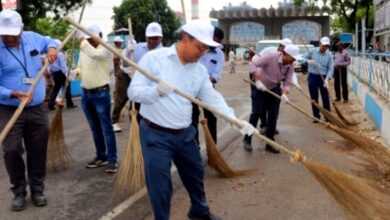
(215, 159)
(130, 177)
(58, 157)
(333, 118)
(380, 154)
(357, 196)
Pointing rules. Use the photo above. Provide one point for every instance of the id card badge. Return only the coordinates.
(27, 80)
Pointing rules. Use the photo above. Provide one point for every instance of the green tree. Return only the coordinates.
(31, 10)
(144, 12)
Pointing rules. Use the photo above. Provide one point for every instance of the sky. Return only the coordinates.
(100, 11)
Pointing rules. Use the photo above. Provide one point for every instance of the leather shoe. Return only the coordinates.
(18, 203)
(270, 149)
(247, 146)
(38, 199)
(208, 216)
(71, 106)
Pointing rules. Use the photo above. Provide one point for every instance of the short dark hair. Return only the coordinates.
(182, 33)
(218, 33)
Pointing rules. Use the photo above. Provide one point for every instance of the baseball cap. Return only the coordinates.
(94, 29)
(10, 23)
(325, 41)
(286, 41)
(153, 30)
(118, 39)
(293, 51)
(203, 32)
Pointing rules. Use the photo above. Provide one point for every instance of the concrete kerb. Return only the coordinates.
(143, 192)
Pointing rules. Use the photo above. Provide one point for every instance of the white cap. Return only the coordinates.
(118, 39)
(286, 41)
(203, 32)
(153, 30)
(293, 51)
(10, 23)
(325, 41)
(94, 29)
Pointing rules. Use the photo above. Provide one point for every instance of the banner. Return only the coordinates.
(9, 4)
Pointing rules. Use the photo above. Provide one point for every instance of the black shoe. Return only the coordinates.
(336, 100)
(52, 108)
(276, 131)
(263, 130)
(18, 202)
(247, 145)
(270, 149)
(96, 162)
(345, 101)
(112, 167)
(38, 199)
(71, 106)
(316, 121)
(208, 216)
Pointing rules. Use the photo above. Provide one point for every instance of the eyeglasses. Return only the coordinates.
(152, 38)
(201, 46)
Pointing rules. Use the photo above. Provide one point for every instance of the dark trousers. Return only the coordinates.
(159, 149)
(340, 75)
(211, 122)
(30, 134)
(122, 82)
(263, 101)
(59, 82)
(315, 83)
(97, 107)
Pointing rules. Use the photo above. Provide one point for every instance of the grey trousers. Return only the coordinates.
(30, 134)
(122, 82)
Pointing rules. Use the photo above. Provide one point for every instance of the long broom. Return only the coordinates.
(334, 181)
(216, 160)
(130, 177)
(58, 156)
(379, 154)
(25, 101)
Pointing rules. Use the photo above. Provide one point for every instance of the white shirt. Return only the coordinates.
(173, 111)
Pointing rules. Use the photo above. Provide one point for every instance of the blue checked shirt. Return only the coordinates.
(324, 61)
(213, 61)
(173, 111)
(12, 72)
(59, 64)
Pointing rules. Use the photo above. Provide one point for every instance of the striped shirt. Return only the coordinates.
(324, 62)
(342, 59)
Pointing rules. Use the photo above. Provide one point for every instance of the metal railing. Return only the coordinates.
(374, 70)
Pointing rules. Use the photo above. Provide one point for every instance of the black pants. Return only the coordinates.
(59, 79)
(340, 75)
(211, 122)
(263, 101)
(30, 134)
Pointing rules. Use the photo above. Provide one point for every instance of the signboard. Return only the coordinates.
(9, 4)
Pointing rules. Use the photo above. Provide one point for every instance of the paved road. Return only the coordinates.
(278, 189)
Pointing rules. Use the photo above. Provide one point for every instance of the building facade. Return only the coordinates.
(382, 25)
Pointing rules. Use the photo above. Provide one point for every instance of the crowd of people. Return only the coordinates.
(168, 122)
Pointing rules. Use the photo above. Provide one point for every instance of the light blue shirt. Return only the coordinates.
(324, 61)
(59, 64)
(173, 111)
(12, 73)
(213, 61)
(141, 49)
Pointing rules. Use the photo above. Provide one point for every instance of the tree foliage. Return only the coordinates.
(32, 10)
(144, 12)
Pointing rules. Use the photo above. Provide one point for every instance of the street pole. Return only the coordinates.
(356, 38)
(363, 35)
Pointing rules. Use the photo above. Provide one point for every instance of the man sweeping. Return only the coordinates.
(154, 35)
(20, 62)
(94, 69)
(269, 72)
(166, 132)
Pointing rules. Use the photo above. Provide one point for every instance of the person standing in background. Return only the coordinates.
(342, 60)
(232, 61)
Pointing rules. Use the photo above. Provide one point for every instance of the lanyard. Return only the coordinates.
(19, 61)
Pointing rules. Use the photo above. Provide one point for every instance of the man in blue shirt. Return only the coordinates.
(59, 70)
(213, 60)
(320, 67)
(20, 62)
(154, 35)
(166, 132)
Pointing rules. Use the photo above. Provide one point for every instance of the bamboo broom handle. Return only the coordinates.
(290, 103)
(23, 103)
(130, 27)
(233, 121)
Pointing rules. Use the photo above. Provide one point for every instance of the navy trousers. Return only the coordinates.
(160, 149)
(315, 83)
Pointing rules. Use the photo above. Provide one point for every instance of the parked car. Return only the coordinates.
(302, 67)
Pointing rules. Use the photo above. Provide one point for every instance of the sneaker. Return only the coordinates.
(116, 127)
(18, 202)
(96, 162)
(112, 167)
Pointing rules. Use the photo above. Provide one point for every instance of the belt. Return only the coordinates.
(158, 127)
(98, 89)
